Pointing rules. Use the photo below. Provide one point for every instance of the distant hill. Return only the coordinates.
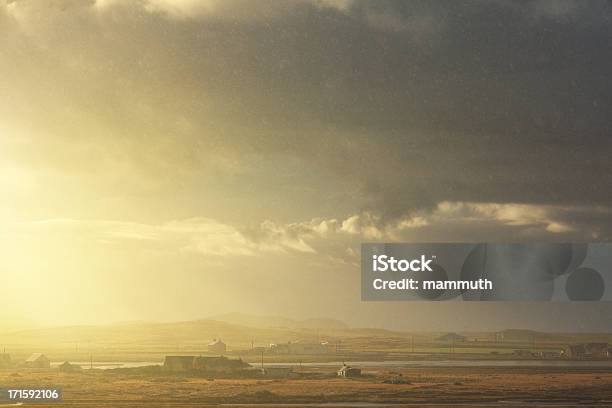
(526, 336)
(280, 322)
(184, 333)
(193, 335)
(9, 322)
(146, 341)
(520, 335)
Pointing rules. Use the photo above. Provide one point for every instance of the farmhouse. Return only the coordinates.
(589, 350)
(597, 350)
(67, 367)
(577, 351)
(349, 372)
(217, 346)
(37, 360)
(279, 348)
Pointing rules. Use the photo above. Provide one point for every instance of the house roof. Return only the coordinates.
(35, 357)
(451, 336)
(348, 368)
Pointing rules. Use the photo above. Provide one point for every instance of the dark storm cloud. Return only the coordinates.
(478, 101)
(495, 102)
(456, 100)
(268, 131)
(413, 103)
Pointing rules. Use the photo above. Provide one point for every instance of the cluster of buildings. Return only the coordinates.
(596, 350)
(217, 346)
(217, 364)
(36, 360)
(580, 351)
(347, 371)
(224, 365)
(548, 354)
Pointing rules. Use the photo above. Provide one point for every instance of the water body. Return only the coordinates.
(105, 365)
(383, 364)
(457, 363)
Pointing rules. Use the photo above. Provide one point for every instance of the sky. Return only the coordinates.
(176, 159)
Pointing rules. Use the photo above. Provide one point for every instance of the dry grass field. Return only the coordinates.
(423, 386)
(313, 385)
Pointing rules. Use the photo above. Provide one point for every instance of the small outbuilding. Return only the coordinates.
(349, 372)
(217, 346)
(597, 350)
(67, 367)
(37, 360)
(589, 350)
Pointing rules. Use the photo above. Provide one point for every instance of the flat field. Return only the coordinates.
(437, 387)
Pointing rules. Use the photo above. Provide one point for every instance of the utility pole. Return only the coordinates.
(262, 360)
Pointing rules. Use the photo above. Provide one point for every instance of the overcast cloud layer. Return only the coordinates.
(216, 131)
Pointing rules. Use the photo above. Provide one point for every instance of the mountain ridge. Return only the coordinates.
(280, 321)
